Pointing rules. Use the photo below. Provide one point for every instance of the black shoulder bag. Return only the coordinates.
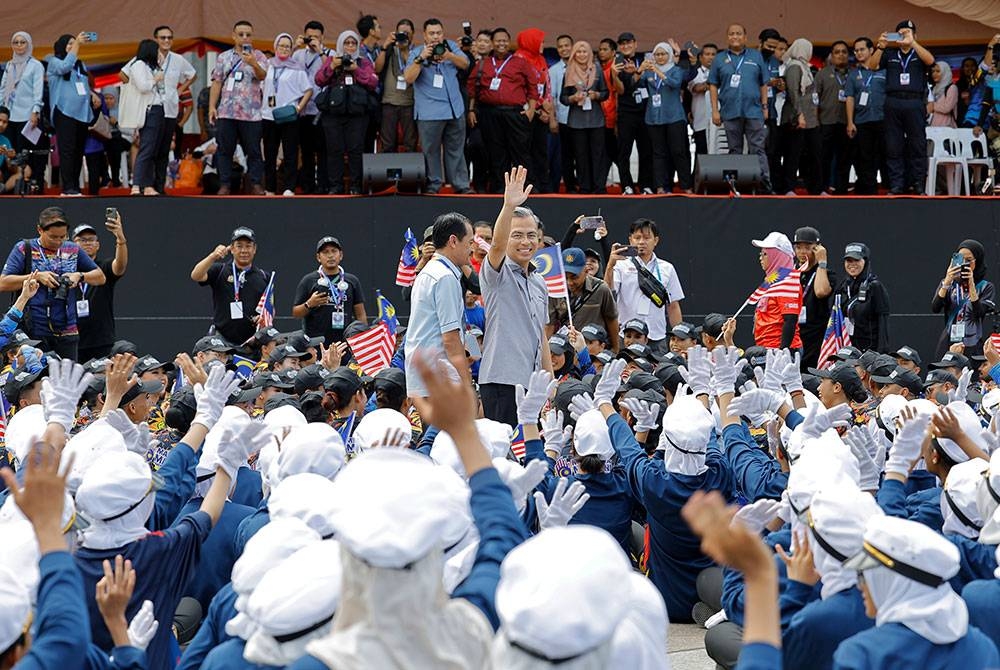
(651, 286)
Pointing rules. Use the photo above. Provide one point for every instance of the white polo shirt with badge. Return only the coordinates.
(633, 304)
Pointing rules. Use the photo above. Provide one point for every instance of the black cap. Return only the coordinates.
(906, 23)
(242, 395)
(590, 252)
(147, 363)
(636, 350)
(212, 343)
(17, 338)
(310, 378)
(638, 325)
(244, 233)
(355, 327)
(856, 250)
(273, 380)
(908, 379)
(329, 239)
(605, 356)
(756, 356)
(908, 353)
(265, 335)
(565, 392)
(811, 383)
(560, 345)
(97, 366)
(52, 216)
(428, 233)
(301, 341)
(713, 324)
(674, 359)
(845, 375)
(848, 354)
(626, 37)
(684, 331)
(951, 360)
(84, 228)
(594, 333)
(881, 366)
(806, 234)
(19, 380)
(281, 400)
(669, 375)
(124, 347)
(940, 377)
(651, 396)
(343, 381)
(644, 381)
(390, 376)
(284, 351)
(151, 386)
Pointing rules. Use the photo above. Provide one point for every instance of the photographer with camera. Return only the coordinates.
(60, 268)
(966, 297)
(397, 94)
(97, 327)
(438, 108)
(310, 52)
(14, 167)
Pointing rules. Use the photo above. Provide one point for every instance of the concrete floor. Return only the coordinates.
(686, 645)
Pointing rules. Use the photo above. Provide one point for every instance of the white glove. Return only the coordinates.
(556, 437)
(785, 512)
(61, 391)
(769, 377)
(871, 456)
(236, 444)
(818, 420)
(756, 516)
(962, 390)
(136, 436)
(906, 447)
(566, 502)
(581, 403)
(645, 413)
(699, 370)
(211, 397)
(754, 401)
(791, 372)
(541, 385)
(610, 381)
(143, 626)
(525, 479)
(726, 366)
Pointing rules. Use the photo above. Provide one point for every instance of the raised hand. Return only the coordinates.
(870, 456)
(136, 436)
(515, 193)
(610, 382)
(580, 404)
(238, 442)
(755, 401)
(699, 370)
(962, 390)
(646, 414)
(113, 592)
(756, 516)
(522, 481)
(906, 447)
(143, 627)
(818, 420)
(61, 391)
(566, 502)
(212, 395)
(556, 437)
(791, 372)
(800, 565)
(530, 402)
(726, 367)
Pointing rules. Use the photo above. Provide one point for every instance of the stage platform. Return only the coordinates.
(706, 238)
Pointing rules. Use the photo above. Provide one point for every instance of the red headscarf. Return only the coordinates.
(529, 47)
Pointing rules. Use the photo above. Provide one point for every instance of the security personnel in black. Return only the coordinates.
(632, 120)
(817, 287)
(907, 68)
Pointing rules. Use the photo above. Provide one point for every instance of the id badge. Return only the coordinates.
(904, 78)
(83, 308)
(80, 88)
(656, 100)
(802, 315)
(400, 83)
(348, 80)
(643, 93)
(230, 84)
(863, 99)
(438, 81)
(770, 92)
(495, 84)
(587, 104)
(734, 80)
(272, 101)
(541, 90)
(842, 95)
(815, 97)
(958, 331)
(638, 97)
(238, 76)
(236, 310)
(849, 324)
(337, 319)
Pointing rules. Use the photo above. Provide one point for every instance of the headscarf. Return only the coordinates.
(289, 63)
(937, 614)
(113, 92)
(576, 73)
(529, 47)
(60, 51)
(687, 430)
(838, 514)
(939, 88)
(979, 253)
(15, 67)
(799, 54)
(777, 260)
(670, 57)
(343, 38)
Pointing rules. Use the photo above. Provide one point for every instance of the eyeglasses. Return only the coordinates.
(519, 236)
(165, 37)
(86, 240)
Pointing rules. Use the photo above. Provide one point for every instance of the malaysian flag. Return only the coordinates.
(265, 308)
(482, 244)
(244, 366)
(406, 272)
(373, 348)
(548, 263)
(836, 335)
(517, 443)
(995, 340)
(782, 284)
(346, 428)
(386, 312)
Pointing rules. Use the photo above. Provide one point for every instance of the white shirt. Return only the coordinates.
(556, 75)
(176, 71)
(701, 114)
(290, 87)
(633, 304)
(313, 63)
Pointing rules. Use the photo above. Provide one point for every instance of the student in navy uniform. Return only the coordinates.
(907, 75)
(329, 298)
(865, 118)
(738, 85)
(919, 621)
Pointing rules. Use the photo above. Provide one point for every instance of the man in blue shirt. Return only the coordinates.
(770, 39)
(61, 267)
(738, 85)
(865, 100)
(438, 107)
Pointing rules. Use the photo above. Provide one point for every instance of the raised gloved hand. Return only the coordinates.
(769, 377)
(238, 442)
(143, 626)
(610, 381)
(212, 395)
(791, 372)
(699, 371)
(871, 456)
(566, 502)
(523, 481)
(906, 447)
(646, 414)
(962, 390)
(580, 404)
(61, 391)
(530, 402)
(136, 436)
(756, 516)
(726, 367)
(817, 420)
(556, 437)
(754, 401)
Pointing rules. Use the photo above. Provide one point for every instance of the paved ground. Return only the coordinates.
(687, 648)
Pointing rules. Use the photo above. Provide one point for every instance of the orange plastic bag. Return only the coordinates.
(188, 173)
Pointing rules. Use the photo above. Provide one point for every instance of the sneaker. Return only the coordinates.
(628, 190)
(223, 190)
(288, 193)
(647, 191)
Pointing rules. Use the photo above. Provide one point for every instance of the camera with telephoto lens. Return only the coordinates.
(65, 284)
(401, 38)
(439, 50)
(346, 60)
(466, 39)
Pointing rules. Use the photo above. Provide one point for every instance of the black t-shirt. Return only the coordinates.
(220, 278)
(320, 321)
(817, 309)
(899, 67)
(98, 329)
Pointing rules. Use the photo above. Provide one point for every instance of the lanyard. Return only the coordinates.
(657, 82)
(496, 69)
(336, 294)
(277, 78)
(840, 81)
(740, 64)
(50, 264)
(399, 59)
(906, 63)
(368, 53)
(868, 81)
(238, 281)
(236, 66)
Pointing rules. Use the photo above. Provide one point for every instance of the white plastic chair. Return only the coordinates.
(976, 155)
(944, 152)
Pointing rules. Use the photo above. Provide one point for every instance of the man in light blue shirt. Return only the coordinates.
(437, 307)
(561, 162)
(438, 107)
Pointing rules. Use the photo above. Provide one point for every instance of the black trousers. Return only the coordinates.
(700, 142)
(507, 134)
(113, 149)
(801, 150)
(567, 160)
(151, 137)
(67, 347)
(772, 147)
(812, 341)
(227, 133)
(477, 159)
(313, 177)
(869, 156)
(610, 156)
(906, 143)
(835, 156)
(499, 403)
(345, 136)
(21, 143)
(285, 135)
(97, 172)
(71, 135)
(632, 130)
(588, 152)
(671, 154)
(162, 159)
(538, 150)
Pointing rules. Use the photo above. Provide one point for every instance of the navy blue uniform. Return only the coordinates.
(229, 656)
(982, 597)
(893, 645)
(815, 631)
(61, 639)
(923, 506)
(179, 479)
(906, 81)
(215, 569)
(212, 632)
(249, 526)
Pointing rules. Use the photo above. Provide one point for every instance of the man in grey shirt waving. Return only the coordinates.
(516, 301)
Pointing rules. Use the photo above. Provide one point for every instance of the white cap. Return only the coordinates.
(208, 462)
(590, 437)
(314, 447)
(495, 436)
(991, 402)
(9, 511)
(276, 541)
(687, 426)
(444, 452)
(890, 541)
(988, 501)
(86, 447)
(970, 424)
(459, 529)
(554, 597)
(888, 410)
(958, 499)
(23, 429)
(374, 426)
(281, 418)
(265, 466)
(308, 497)
(20, 550)
(114, 483)
(839, 516)
(776, 240)
(640, 640)
(389, 508)
(15, 607)
(818, 467)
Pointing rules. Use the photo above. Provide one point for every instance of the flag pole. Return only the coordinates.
(742, 307)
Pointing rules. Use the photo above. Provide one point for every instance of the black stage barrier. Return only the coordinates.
(707, 239)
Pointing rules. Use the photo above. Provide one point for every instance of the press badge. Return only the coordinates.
(83, 307)
(348, 80)
(438, 81)
(802, 314)
(842, 95)
(770, 92)
(958, 331)
(734, 80)
(337, 318)
(587, 104)
(863, 99)
(643, 93)
(400, 83)
(236, 310)
(904, 78)
(655, 99)
(495, 84)
(238, 76)
(80, 88)
(815, 98)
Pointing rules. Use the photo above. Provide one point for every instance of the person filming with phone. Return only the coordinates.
(966, 297)
(97, 325)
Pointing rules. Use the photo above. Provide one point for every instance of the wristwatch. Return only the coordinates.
(822, 264)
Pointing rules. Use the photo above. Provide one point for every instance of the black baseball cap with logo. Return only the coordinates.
(18, 381)
(881, 365)
(848, 354)
(390, 377)
(17, 338)
(140, 387)
(940, 377)
(244, 233)
(806, 234)
(329, 239)
(638, 325)
(951, 360)
(908, 353)
(594, 333)
(212, 343)
(684, 331)
(900, 376)
(147, 363)
(124, 347)
(265, 335)
(560, 345)
(713, 324)
(284, 351)
(756, 356)
(846, 375)
(310, 378)
(343, 381)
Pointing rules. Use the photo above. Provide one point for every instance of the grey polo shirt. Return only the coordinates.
(516, 311)
(436, 307)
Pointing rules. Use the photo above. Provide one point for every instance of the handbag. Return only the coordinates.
(651, 287)
(332, 99)
(285, 114)
(102, 127)
(132, 103)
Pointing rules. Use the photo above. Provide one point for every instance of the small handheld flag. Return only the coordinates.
(783, 284)
(387, 313)
(549, 263)
(517, 443)
(265, 308)
(244, 366)
(406, 271)
(836, 335)
(373, 348)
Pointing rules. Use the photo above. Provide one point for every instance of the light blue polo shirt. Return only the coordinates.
(436, 307)
(437, 103)
(739, 78)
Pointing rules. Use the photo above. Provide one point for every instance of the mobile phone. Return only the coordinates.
(894, 37)
(619, 59)
(591, 222)
(957, 260)
(247, 48)
(91, 37)
(111, 214)
(629, 252)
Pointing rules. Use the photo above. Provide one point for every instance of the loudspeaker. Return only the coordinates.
(405, 171)
(727, 173)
